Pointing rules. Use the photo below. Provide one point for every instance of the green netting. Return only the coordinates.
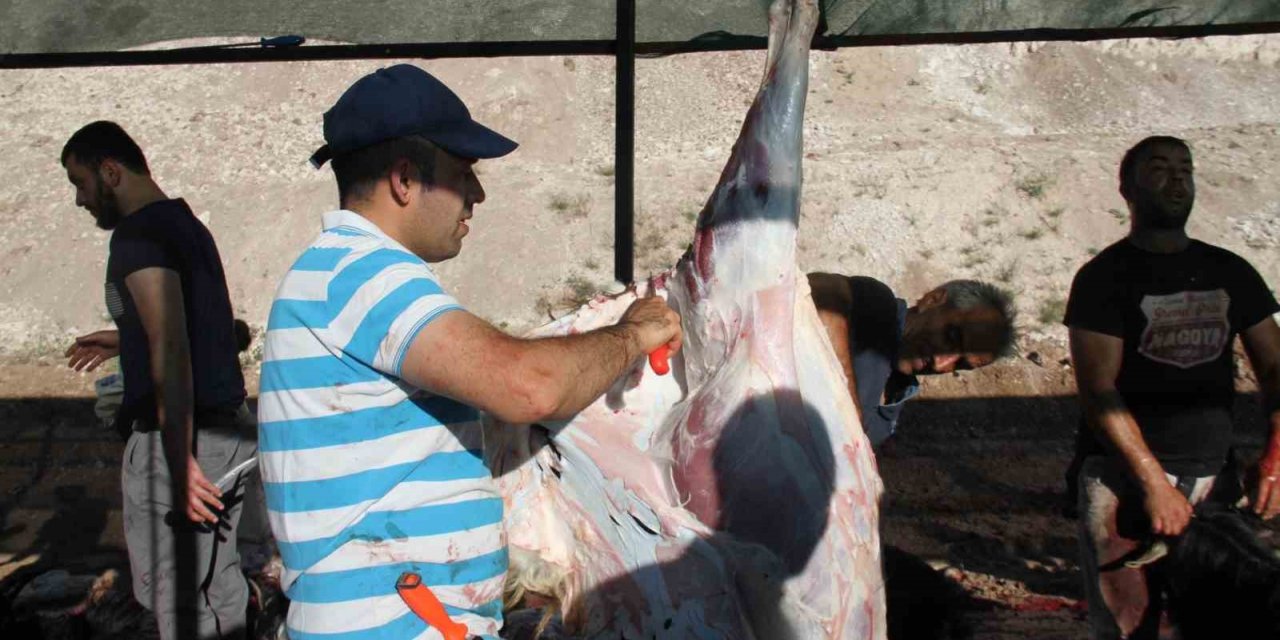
(868, 17)
(64, 26)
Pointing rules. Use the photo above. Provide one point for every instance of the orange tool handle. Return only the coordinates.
(660, 360)
(425, 604)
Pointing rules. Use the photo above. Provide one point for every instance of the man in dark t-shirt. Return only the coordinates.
(1152, 321)
(882, 344)
(183, 392)
(166, 235)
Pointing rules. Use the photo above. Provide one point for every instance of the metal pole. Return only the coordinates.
(625, 145)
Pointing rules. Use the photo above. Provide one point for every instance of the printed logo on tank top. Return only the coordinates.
(1185, 329)
(115, 304)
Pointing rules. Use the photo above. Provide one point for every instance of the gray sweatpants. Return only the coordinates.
(210, 597)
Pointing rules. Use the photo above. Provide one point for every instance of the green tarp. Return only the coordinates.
(80, 26)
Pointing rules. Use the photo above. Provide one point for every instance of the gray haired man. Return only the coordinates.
(882, 344)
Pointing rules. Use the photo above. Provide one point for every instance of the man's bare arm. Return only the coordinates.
(1097, 360)
(831, 292)
(834, 300)
(157, 294)
(1262, 343)
(519, 381)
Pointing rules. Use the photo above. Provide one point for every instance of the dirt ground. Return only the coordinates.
(973, 488)
(922, 164)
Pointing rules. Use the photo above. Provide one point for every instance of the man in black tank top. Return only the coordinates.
(882, 344)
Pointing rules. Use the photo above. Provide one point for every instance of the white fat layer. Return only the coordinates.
(594, 501)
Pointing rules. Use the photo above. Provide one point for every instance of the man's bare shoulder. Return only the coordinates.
(831, 292)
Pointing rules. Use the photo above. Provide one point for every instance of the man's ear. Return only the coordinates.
(400, 181)
(110, 172)
(932, 299)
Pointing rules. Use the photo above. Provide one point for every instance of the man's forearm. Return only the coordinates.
(1273, 441)
(1112, 420)
(171, 378)
(581, 368)
(1269, 386)
(836, 323)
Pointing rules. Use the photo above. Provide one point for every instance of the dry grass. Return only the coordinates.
(573, 206)
(1005, 274)
(1033, 186)
(1052, 310)
(580, 291)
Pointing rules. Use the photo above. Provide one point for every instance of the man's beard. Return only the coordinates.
(1163, 216)
(106, 210)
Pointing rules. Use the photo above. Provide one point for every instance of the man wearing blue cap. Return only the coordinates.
(373, 376)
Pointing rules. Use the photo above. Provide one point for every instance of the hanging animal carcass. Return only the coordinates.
(736, 497)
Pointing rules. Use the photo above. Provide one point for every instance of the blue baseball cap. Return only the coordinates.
(400, 101)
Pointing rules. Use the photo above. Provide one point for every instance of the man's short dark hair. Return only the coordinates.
(102, 140)
(359, 170)
(967, 294)
(1130, 160)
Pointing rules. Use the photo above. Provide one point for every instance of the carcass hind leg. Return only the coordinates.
(803, 22)
(779, 21)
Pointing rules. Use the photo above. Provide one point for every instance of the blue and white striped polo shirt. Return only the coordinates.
(367, 477)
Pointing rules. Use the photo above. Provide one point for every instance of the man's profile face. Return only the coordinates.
(942, 338)
(446, 206)
(1164, 188)
(93, 195)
